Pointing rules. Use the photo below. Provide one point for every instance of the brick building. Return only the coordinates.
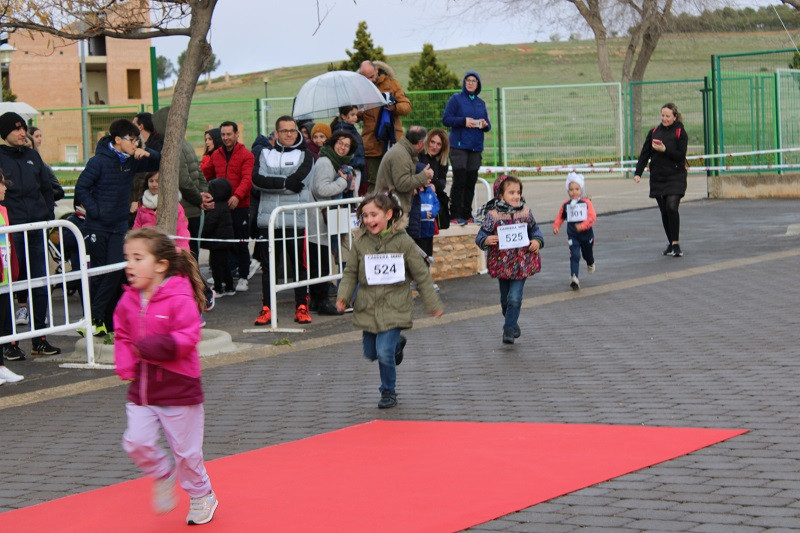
(45, 73)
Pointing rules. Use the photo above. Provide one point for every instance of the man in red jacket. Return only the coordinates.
(233, 162)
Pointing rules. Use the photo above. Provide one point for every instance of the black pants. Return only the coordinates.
(319, 265)
(38, 257)
(220, 270)
(241, 230)
(426, 243)
(465, 175)
(287, 250)
(670, 218)
(194, 231)
(104, 248)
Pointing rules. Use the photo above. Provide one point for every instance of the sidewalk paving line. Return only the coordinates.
(258, 351)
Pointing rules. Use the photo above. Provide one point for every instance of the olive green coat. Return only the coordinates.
(383, 307)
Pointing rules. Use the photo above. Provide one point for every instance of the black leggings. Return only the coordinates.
(668, 205)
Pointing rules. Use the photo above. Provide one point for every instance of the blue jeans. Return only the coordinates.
(382, 346)
(511, 300)
(581, 243)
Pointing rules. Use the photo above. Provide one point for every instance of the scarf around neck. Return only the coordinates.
(501, 206)
(336, 160)
(150, 200)
(121, 155)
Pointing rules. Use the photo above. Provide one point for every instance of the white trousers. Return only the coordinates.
(183, 428)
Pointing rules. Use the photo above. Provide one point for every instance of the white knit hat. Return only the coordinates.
(577, 178)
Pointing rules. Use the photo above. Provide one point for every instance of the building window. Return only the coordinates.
(134, 84)
(71, 153)
(97, 45)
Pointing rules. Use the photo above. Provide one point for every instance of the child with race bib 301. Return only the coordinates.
(579, 213)
(383, 261)
(513, 240)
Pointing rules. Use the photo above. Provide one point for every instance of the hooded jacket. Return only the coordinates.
(398, 173)
(387, 83)
(238, 170)
(30, 197)
(461, 106)
(191, 182)
(279, 179)
(384, 307)
(218, 222)
(104, 187)
(156, 344)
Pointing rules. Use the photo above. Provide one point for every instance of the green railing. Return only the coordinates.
(749, 102)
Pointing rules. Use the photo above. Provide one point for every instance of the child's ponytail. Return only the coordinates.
(186, 265)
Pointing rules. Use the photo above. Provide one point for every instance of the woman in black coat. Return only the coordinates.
(435, 152)
(665, 148)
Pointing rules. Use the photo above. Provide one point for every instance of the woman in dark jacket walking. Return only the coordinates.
(665, 148)
(468, 119)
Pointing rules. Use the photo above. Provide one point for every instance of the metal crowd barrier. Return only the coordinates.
(53, 252)
(340, 215)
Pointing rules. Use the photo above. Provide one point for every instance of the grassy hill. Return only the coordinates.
(678, 56)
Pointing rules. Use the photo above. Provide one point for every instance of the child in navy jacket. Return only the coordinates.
(579, 213)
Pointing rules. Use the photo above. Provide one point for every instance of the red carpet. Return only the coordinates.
(385, 476)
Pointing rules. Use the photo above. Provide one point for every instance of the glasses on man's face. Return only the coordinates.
(285, 132)
(130, 140)
(471, 80)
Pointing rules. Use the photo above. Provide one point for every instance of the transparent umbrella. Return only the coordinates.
(322, 96)
(22, 109)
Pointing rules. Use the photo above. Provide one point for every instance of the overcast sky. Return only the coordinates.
(279, 33)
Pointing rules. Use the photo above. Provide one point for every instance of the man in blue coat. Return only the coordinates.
(29, 199)
(104, 188)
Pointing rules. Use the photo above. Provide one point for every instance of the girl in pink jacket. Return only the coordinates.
(146, 213)
(157, 324)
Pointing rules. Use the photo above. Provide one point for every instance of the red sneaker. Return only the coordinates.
(264, 318)
(301, 314)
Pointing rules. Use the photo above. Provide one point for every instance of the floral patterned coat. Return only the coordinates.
(513, 263)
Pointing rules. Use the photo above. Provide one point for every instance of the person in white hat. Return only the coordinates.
(579, 213)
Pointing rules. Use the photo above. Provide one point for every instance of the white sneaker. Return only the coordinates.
(22, 316)
(7, 376)
(574, 283)
(255, 266)
(590, 268)
(241, 285)
(202, 509)
(164, 499)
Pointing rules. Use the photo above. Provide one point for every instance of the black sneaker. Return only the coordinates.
(676, 250)
(12, 352)
(327, 308)
(508, 335)
(388, 399)
(42, 347)
(668, 251)
(398, 351)
(517, 331)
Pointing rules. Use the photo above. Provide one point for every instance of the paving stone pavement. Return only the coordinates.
(707, 340)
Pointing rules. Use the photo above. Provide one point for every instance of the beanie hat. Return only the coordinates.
(320, 127)
(577, 178)
(9, 122)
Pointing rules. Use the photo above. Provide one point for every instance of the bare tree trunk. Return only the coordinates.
(198, 53)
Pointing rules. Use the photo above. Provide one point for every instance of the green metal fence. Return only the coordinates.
(745, 110)
(643, 101)
(561, 124)
(749, 102)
